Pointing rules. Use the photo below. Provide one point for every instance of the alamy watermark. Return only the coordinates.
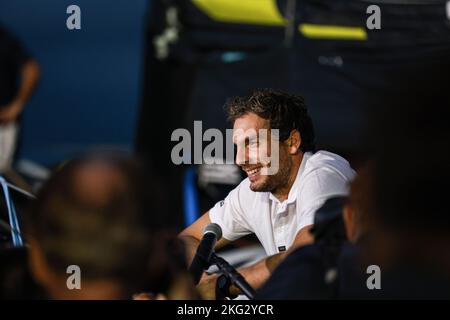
(74, 279)
(374, 20)
(73, 21)
(373, 282)
(258, 147)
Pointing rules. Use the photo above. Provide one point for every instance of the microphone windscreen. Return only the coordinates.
(215, 229)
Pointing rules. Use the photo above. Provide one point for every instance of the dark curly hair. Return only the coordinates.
(285, 112)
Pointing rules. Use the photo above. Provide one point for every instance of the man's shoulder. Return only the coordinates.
(327, 161)
(326, 157)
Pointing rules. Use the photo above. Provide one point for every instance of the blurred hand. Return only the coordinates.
(10, 112)
(207, 286)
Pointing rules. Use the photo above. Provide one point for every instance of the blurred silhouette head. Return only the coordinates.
(410, 144)
(357, 211)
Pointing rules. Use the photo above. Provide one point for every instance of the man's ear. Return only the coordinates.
(294, 142)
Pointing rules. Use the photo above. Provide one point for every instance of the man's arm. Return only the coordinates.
(194, 233)
(29, 78)
(257, 274)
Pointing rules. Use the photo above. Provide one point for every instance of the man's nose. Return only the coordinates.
(241, 156)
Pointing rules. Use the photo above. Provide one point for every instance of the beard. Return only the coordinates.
(271, 183)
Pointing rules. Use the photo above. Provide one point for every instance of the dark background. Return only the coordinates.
(89, 89)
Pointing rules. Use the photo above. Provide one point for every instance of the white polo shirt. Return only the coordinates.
(321, 175)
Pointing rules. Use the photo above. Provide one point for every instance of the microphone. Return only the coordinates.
(202, 257)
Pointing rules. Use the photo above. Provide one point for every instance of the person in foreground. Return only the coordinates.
(92, 218)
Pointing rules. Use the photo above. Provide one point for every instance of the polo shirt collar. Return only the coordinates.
(292, 196)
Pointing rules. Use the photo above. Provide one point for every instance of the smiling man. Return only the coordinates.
(287, 182)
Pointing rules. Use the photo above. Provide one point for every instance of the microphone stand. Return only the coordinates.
(233, 276)
(13, 220)
(21, 191)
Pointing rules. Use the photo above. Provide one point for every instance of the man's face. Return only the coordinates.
(266, 162)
